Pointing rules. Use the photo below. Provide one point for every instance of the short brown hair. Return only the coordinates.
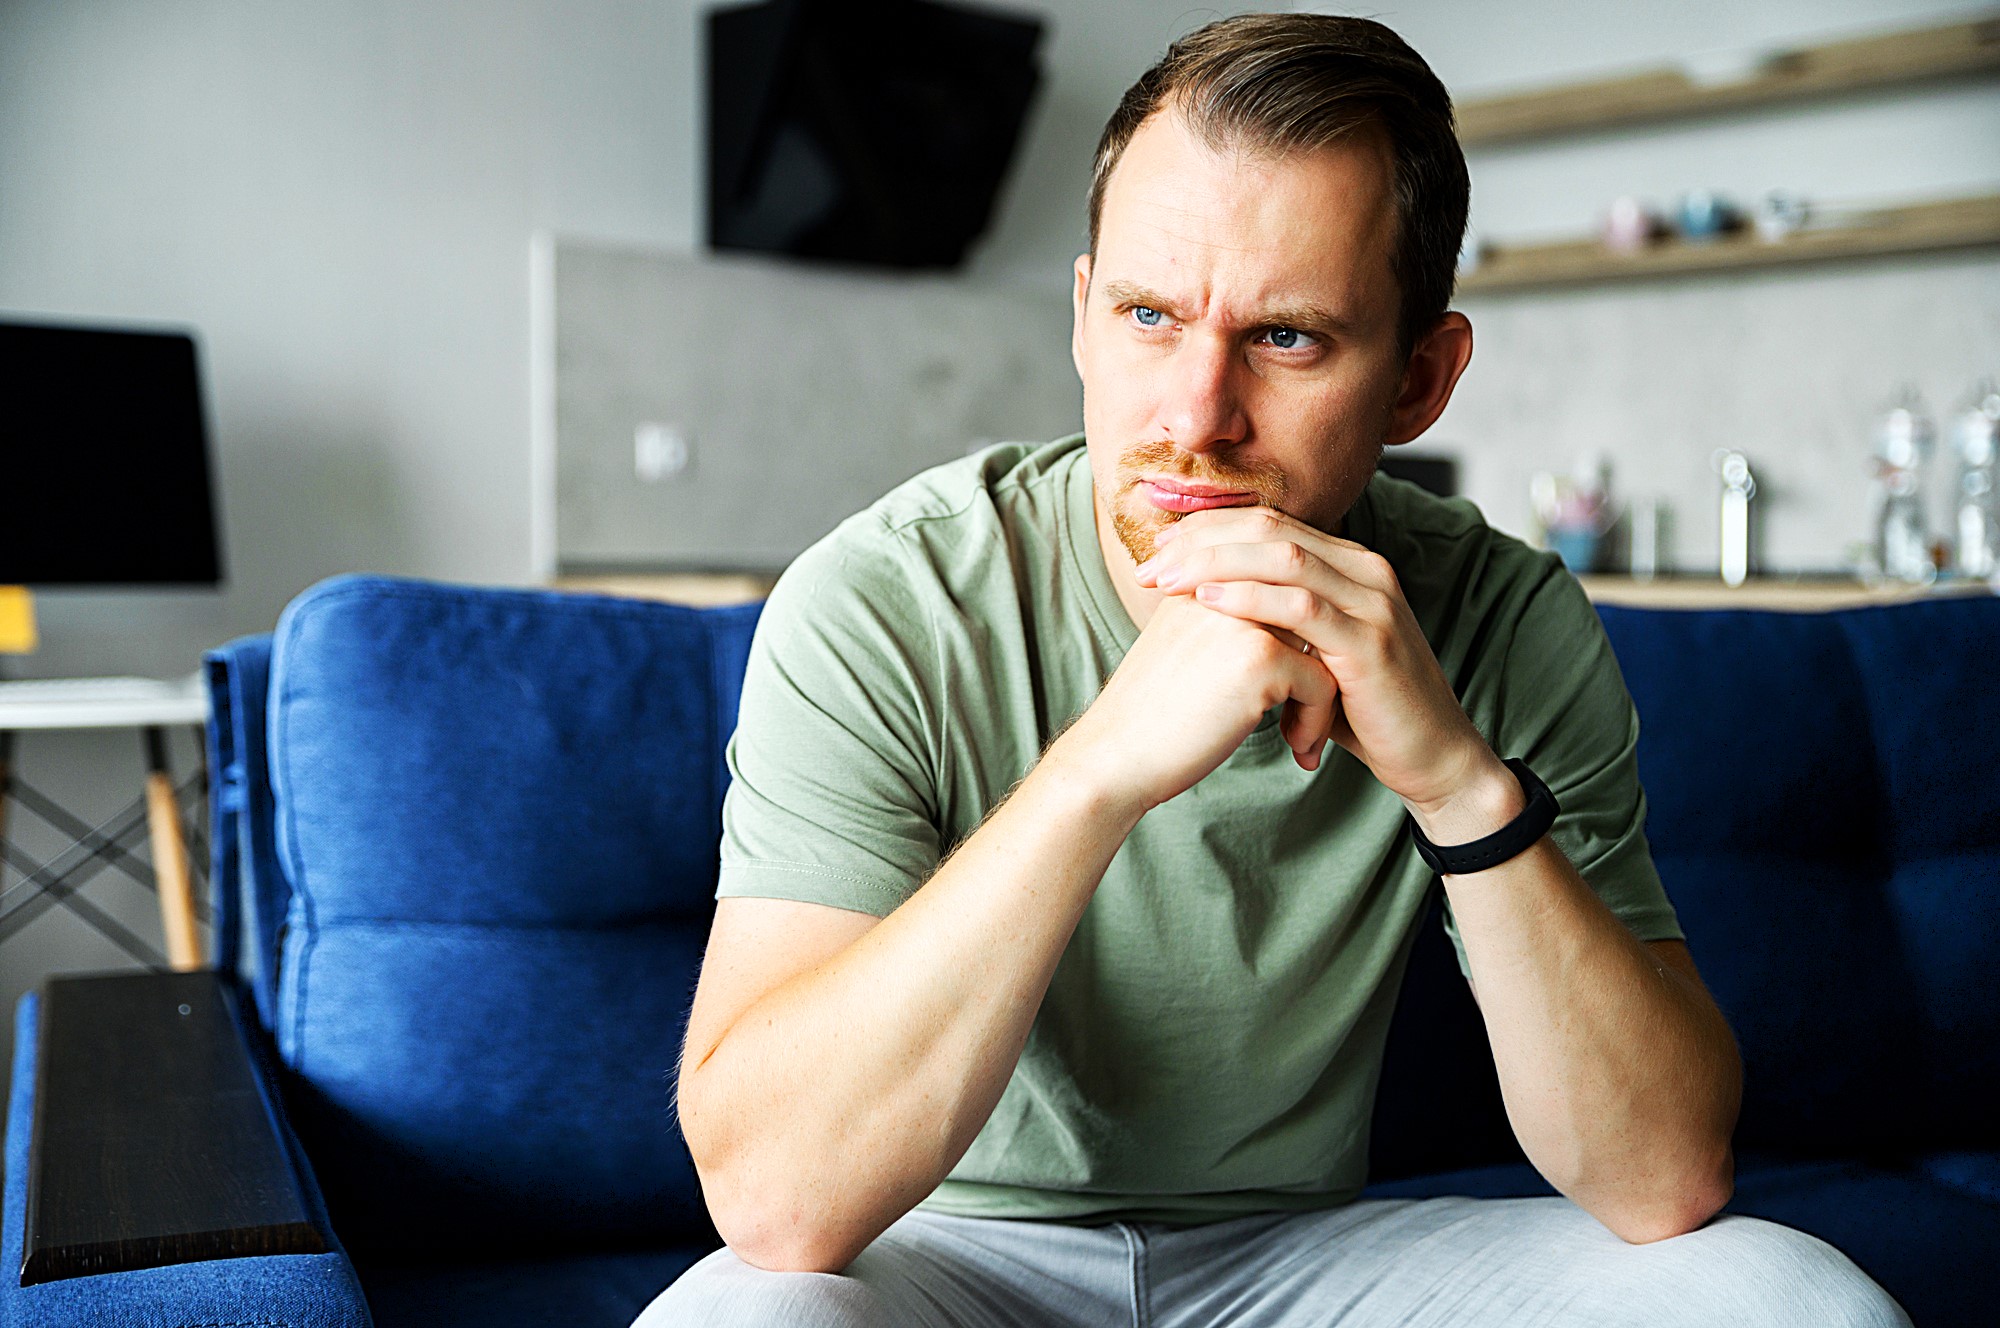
(1294, 82)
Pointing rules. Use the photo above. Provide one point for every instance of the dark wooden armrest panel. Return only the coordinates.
(153, 1140)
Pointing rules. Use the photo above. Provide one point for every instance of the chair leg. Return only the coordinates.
(170, 866)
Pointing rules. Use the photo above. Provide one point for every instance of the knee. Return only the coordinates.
(722, 1291)
(1769, 1273)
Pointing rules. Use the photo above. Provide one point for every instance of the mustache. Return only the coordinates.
(1263, 478)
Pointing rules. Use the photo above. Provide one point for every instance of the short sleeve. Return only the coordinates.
(1563, 708)
(832, 796)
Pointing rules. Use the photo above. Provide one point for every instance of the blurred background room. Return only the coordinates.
(498, 293)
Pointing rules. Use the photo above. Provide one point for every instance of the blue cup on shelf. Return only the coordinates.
(1704, 215)
(1576, 548)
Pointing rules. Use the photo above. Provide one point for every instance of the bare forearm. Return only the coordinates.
(839, 1100)
(1621, 1078)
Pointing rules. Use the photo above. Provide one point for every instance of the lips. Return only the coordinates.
(1173, 496)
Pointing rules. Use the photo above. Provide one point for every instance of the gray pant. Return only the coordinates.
(1400, 1262)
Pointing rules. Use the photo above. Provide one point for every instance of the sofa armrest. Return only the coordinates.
(150, 1169)
(153, 1142)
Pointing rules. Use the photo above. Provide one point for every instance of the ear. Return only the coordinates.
(1430, 376)
(1078, 298)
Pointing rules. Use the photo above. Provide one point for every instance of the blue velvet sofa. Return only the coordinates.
(465, 846)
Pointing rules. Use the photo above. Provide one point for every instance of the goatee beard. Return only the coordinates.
(1140, 532)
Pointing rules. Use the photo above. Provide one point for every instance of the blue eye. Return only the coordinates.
(1147, 317)
(1287, 338)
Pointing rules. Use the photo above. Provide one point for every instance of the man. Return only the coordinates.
(1072, 859)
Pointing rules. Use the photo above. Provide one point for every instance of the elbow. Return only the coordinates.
(776, 1228)
(770, 1242)
(779, 1233)
(1687, 1206)
(773, 1232)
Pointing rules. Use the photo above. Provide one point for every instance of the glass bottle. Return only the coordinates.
(1902, 536)
(1977, 553)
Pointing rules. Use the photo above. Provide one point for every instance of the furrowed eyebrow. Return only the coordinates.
(1300, 317)
(1126, 292)
(1309, 318)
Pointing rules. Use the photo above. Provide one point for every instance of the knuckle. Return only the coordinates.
(1266, 649)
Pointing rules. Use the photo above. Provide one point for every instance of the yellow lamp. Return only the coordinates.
(17, 621)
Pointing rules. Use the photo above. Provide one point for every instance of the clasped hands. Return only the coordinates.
(1361, 673)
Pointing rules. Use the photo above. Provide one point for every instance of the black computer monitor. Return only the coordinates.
(104, 469)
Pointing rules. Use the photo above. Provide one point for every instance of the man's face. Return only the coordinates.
(1237, 330)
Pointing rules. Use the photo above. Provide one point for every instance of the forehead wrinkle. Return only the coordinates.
(1184, 235)
(1214, 235)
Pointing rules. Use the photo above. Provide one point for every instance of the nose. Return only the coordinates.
(1201, 408)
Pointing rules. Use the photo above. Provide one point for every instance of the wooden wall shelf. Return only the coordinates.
(1796, 595)
(1959, 223)
(702, 589)
(1672, 592)
(1923, 55)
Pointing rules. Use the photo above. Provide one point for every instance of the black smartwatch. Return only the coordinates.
(1510, 840)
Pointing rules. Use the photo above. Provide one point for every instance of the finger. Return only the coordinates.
(1280, 563)
(1311, 698)
(1261, 525)
(1329, 630)
(1307, 720)
(1300, 737)
(1295, 725)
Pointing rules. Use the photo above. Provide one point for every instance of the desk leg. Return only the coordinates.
(170, 867)
(6, 790)
(6, 781)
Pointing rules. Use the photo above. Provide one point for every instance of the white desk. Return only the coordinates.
(149, 705)
(102, 703)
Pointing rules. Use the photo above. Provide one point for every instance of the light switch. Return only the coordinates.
(661, 452)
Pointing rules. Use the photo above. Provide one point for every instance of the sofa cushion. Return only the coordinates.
(1767, 820)
(1929, 1244)
(512, 1090)
(498, 814)
(1821, 819)
(1825, 819)
(1931, 677)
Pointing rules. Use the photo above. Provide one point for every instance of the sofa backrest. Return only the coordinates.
(497, 814)
(496, 817)
(1826, 814)
(1824, 795)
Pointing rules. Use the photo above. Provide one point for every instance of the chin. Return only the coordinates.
(1138, 525)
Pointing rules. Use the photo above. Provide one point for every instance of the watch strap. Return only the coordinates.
(1509, 841)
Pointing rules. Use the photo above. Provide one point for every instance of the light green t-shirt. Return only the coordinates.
(1212, 1039)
